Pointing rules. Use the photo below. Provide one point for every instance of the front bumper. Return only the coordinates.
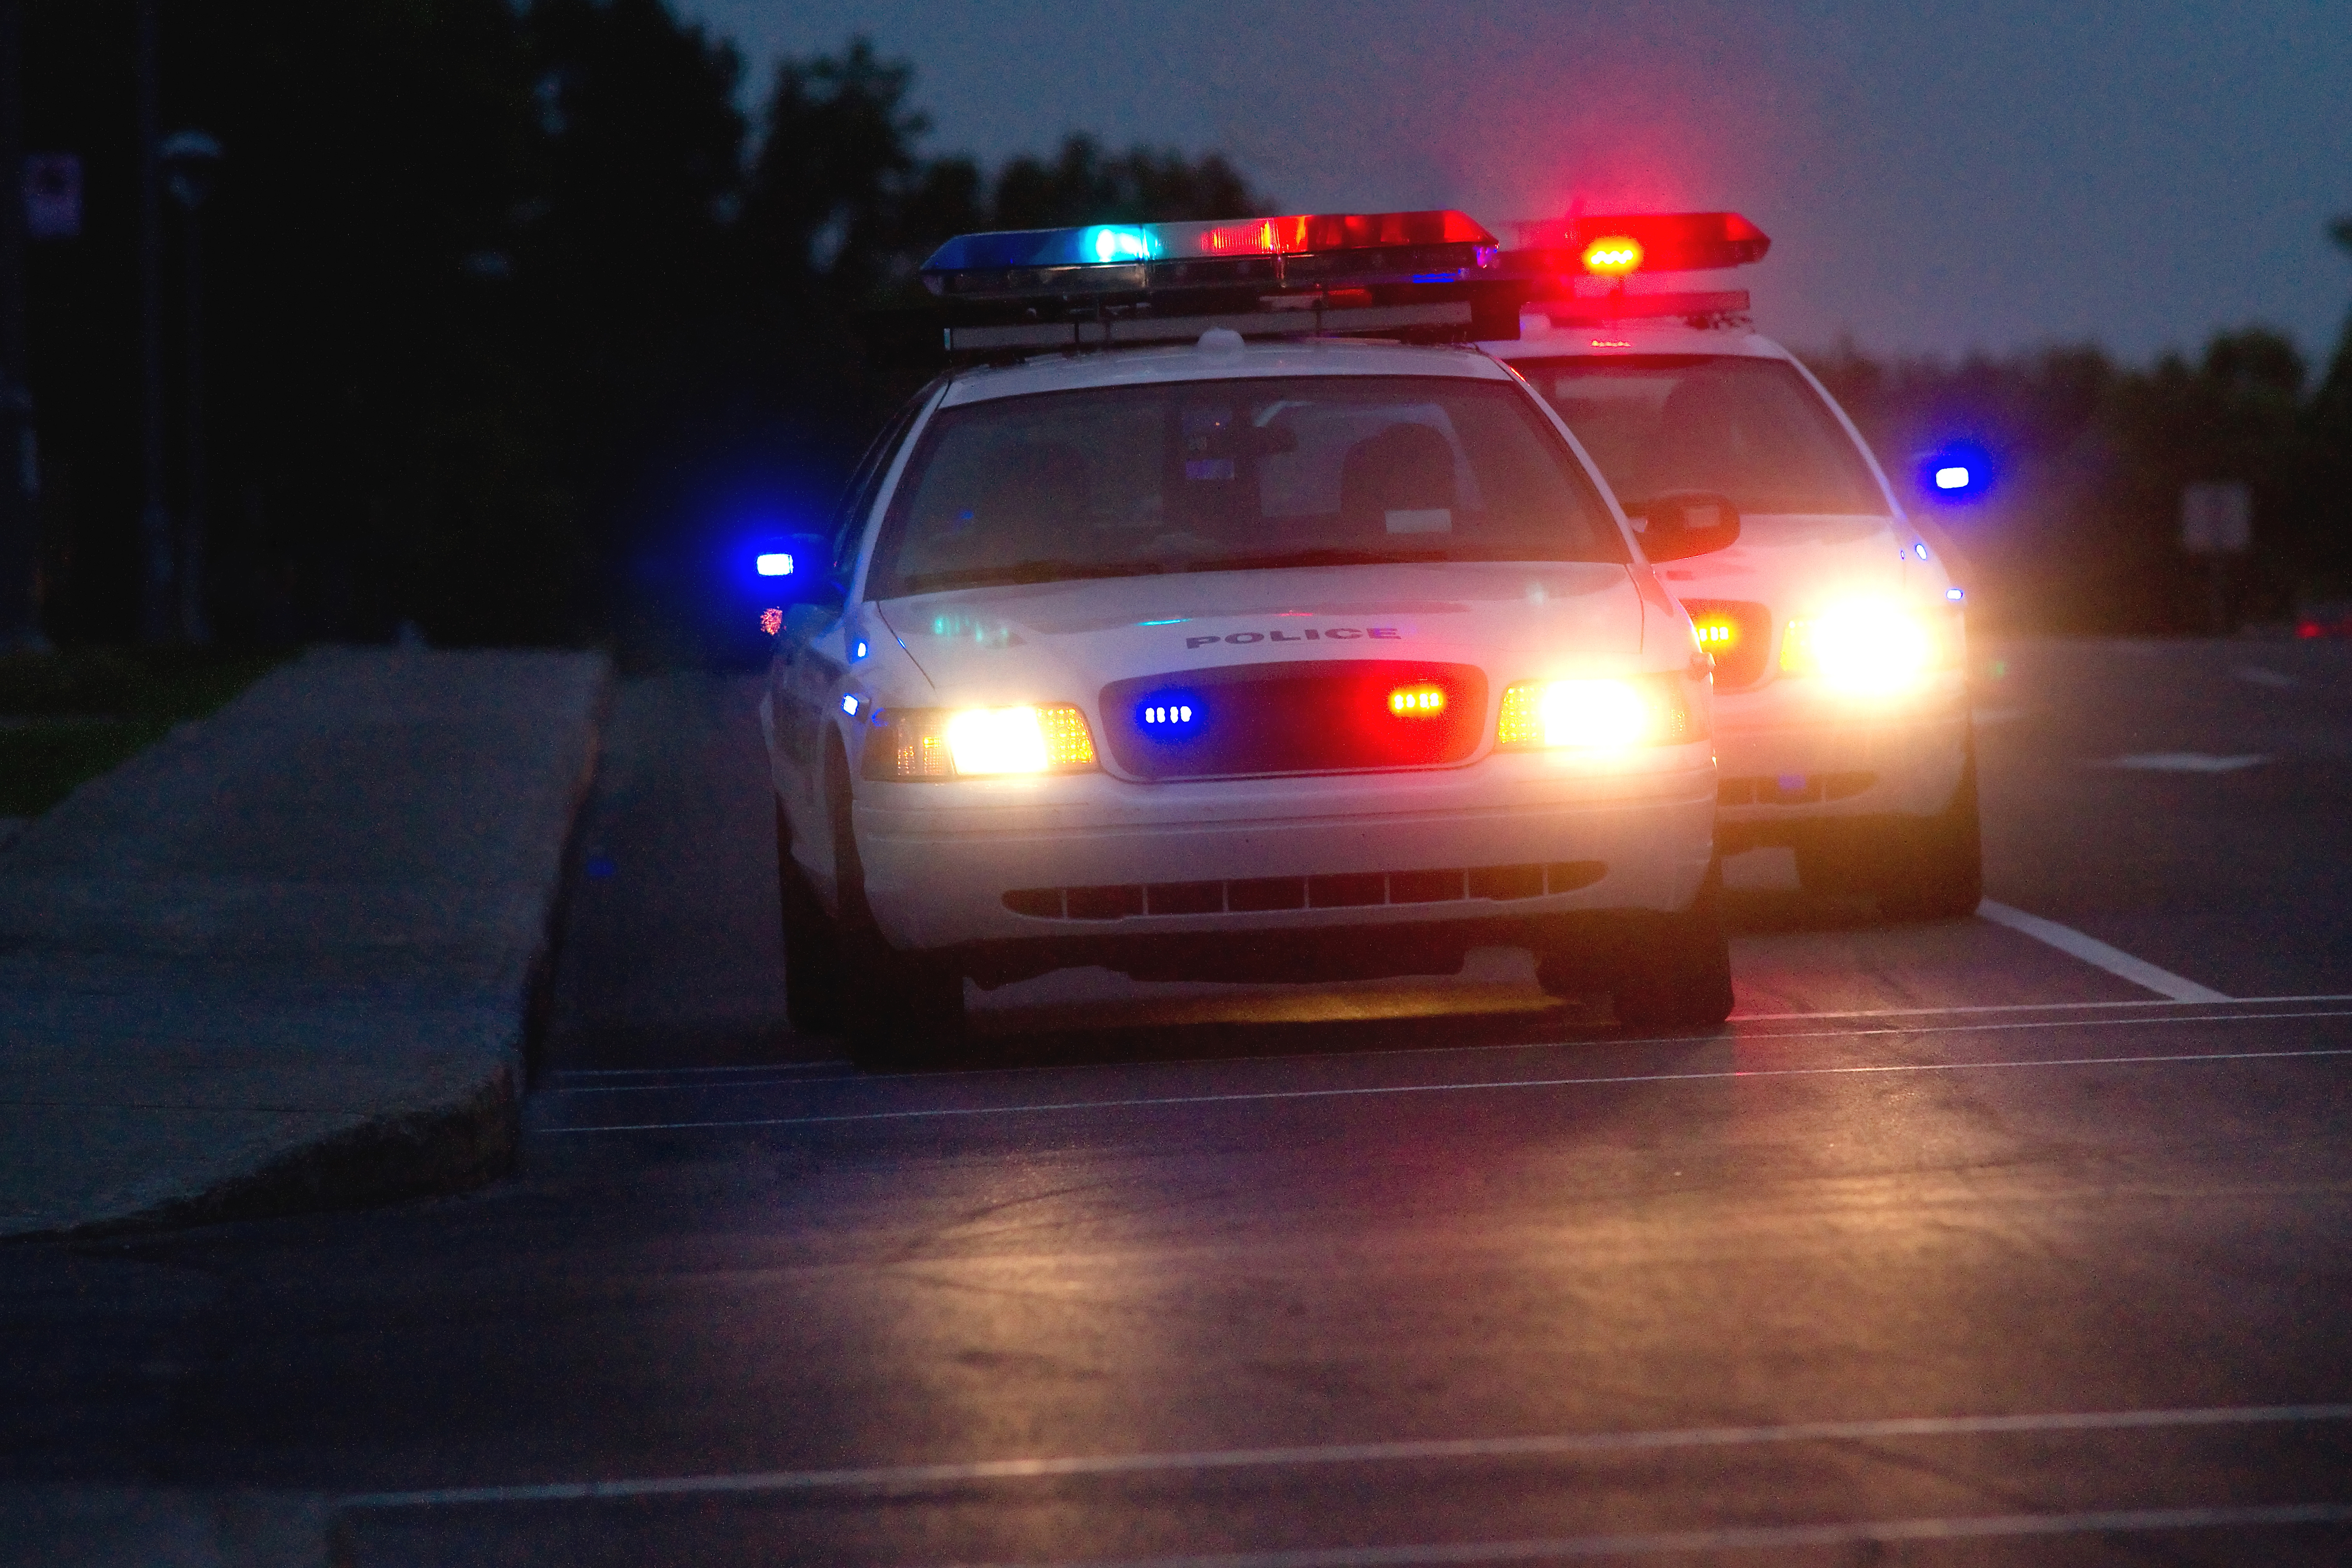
(939, 860)
(1795, 751)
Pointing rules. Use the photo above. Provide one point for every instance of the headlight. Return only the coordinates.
(1865, 645)
(1597, 715)
(919, 744)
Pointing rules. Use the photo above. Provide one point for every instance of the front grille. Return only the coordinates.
(1315, 716)
(1740, 636)
(1347, 890)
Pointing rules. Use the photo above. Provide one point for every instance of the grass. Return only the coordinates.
(67, 717)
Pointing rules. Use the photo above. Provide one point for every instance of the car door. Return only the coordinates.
(810, 658)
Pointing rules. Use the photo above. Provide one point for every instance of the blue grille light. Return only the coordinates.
(775, 563)
(1171, 715)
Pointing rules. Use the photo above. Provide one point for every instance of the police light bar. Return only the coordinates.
(1304, 250)
(1712, 308)
(1615, 244)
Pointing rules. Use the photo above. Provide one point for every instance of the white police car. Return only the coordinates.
(1199, 656)
(1842, 717)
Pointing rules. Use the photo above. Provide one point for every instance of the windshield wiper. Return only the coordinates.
(1033, 572)
(1326, 556)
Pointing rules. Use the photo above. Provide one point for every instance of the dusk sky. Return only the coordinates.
(1936, 177)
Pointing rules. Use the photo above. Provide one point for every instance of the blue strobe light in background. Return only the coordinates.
(1956, 471)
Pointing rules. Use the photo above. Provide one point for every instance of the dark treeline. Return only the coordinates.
(2082, 533)
(513, 318)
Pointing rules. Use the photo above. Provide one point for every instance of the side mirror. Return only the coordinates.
(1683, 523)
(793, 569)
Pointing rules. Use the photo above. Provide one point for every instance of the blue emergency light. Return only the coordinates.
(1955, 472)
(1171, 716)
(1303, 249)
(774, 563)
(1098, 285)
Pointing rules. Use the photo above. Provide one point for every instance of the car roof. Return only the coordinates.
(1140, 366)
(1540, 339)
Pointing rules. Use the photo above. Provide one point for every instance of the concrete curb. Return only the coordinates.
(121, 1527)
(451, 1148)
(292, 959)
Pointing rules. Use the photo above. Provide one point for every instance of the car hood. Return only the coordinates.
(1066, 641)
(1797, 563)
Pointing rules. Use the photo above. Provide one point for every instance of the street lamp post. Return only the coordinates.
(190, 159)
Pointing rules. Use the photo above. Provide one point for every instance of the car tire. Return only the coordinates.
(898, 1009)
(904, 1010)
(1934, 868)
(1676, 971)
(1919, 868)
(812, 962)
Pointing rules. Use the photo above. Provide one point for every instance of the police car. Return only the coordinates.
(1223, 612)
(1842, 717)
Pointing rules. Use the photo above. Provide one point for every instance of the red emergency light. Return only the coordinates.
(1331, 231)
(1611, 245)
(1426, 275)
(1392, 247)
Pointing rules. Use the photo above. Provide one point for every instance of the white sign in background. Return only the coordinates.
(2217, 519)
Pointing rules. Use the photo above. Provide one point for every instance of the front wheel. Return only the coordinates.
(1918, 868)
(812, 989)
(897, 1009)
(1676, 970)
(901, 1009)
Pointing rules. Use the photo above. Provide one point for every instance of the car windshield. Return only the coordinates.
(1748, 428)
(1229, 476)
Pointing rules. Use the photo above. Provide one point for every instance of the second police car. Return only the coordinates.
(1189, 629)
(1840, 645)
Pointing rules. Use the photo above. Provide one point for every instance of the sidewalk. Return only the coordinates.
(283, 960)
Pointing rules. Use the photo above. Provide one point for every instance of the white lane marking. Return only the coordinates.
(2099, 956)
(2011, 1007)
(562, 1076)
(1747, 1538)
(1151, 1102)
(2185, 762)
(728, 1085)
(1365, 1454)
(1292, 1057)
(711, 1085)
(567, 1074)
(2255, 674)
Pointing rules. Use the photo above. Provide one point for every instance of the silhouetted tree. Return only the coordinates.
(1145, 185)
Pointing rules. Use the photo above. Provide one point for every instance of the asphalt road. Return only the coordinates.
(1957, 1247)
